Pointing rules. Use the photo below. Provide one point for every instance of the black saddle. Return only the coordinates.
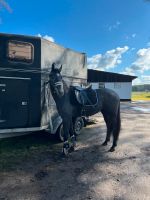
(85, 96)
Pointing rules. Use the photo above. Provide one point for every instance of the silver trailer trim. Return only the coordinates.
(20, 78)
(19, 130)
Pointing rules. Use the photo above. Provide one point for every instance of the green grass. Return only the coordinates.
(140, 96)
(14, 151)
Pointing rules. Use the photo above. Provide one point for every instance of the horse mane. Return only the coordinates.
(66, 87)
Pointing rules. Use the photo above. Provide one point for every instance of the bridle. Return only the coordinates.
(56, 85)
(59, 83)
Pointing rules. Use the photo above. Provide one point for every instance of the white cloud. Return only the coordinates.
(114, 26)
(137, 81)
(128, 71)
(108, 60)
(128, 37)
(49, 38)
(142, 62)
(144, 79)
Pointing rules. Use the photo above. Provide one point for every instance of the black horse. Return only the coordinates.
(107, 102)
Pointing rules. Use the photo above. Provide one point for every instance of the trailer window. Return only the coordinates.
(20, 52)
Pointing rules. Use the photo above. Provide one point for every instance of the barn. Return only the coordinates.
(120, 83)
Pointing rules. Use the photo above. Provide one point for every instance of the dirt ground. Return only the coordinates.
(91, 172)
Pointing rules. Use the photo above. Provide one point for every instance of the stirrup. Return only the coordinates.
(65, 149)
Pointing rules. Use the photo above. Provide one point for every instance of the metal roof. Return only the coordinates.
(101, 76)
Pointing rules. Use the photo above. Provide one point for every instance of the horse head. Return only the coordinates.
(55, 80)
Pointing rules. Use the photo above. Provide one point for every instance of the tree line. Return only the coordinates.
(141, 88)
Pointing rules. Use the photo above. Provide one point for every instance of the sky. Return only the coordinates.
(114, 34)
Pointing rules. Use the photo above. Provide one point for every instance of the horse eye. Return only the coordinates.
(59, 76)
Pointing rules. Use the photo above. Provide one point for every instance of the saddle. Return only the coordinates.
(85, 96)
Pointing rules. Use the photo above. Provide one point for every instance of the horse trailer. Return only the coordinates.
(26, 103)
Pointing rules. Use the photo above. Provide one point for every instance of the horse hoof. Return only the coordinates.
(72, 148)
(104, 144)
(112, 149)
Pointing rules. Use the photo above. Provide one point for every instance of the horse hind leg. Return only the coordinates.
(109, 131)
(109, 128)
(115, 138)
(116, 129)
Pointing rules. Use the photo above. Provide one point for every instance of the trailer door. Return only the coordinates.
(14, 102)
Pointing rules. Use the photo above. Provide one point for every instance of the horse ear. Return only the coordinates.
(60, 68)
(53, 66)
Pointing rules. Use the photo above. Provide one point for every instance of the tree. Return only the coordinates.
(4, 4)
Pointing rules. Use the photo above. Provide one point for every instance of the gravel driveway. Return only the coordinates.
(91, 172)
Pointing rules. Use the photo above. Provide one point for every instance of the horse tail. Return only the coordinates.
(118, 127)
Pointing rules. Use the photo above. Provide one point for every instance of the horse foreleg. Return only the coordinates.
(66, 147)
(73, 138)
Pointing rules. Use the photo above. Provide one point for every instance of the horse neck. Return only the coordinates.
(66, 88)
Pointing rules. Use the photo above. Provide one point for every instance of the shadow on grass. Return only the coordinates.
(14, 151)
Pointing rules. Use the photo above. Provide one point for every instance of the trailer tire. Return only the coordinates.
(77, 126)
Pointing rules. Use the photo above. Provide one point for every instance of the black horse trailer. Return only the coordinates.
(26, 104)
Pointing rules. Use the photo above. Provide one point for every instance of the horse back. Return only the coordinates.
(110, 100)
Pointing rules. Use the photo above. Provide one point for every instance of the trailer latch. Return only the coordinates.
(24, 103)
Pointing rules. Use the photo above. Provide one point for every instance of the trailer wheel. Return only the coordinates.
(78, 125)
